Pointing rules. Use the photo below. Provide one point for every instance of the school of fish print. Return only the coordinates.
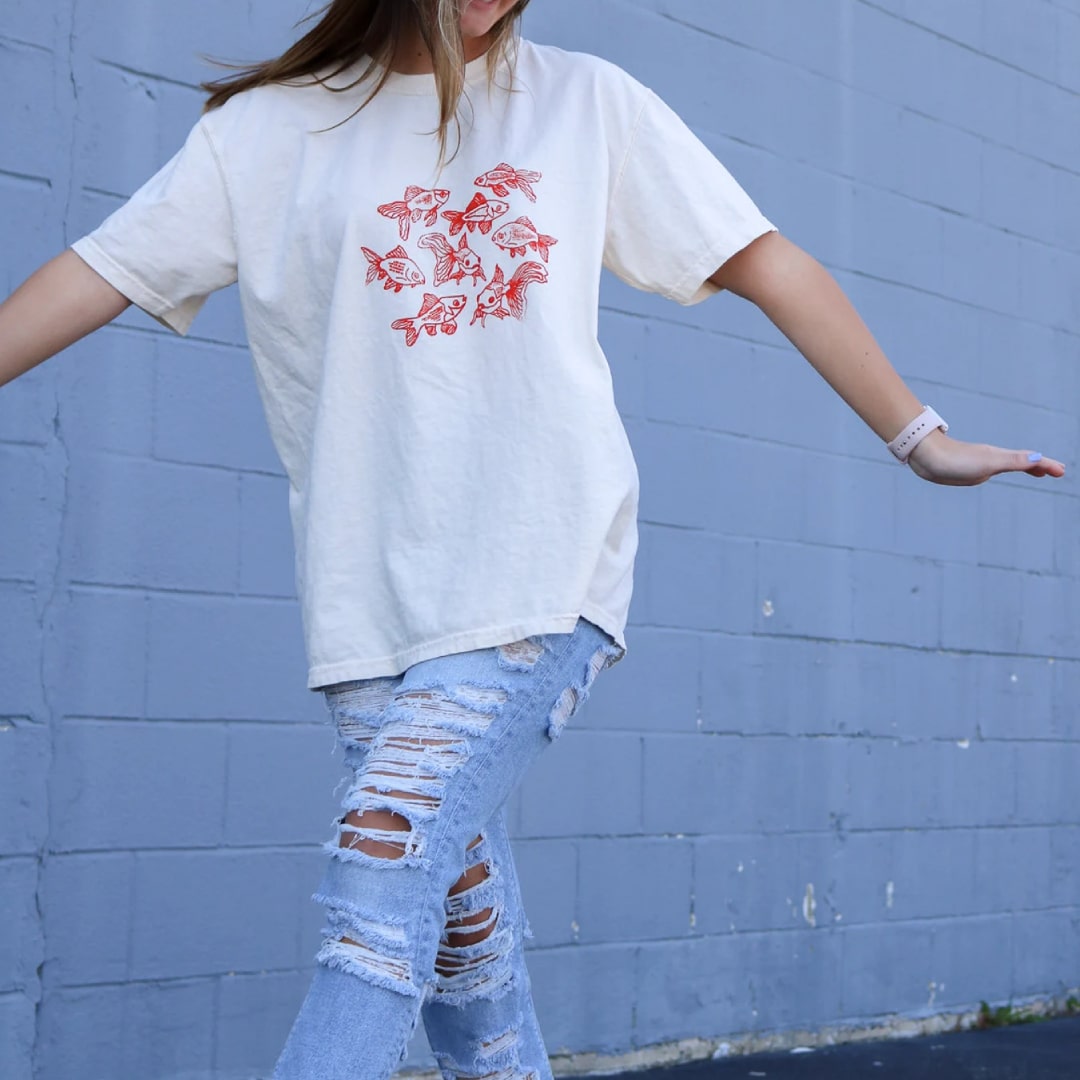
(499, 296)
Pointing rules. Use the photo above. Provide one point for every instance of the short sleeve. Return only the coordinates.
(172, 243)
(675, 213)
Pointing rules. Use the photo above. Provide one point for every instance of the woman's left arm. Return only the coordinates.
(808, 306)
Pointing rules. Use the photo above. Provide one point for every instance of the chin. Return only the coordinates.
(479, 17)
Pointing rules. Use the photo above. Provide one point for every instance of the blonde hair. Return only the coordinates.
(349, 30)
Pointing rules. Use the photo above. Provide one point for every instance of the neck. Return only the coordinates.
(414, 58)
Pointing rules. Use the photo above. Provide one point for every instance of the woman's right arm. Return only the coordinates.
(60, 302)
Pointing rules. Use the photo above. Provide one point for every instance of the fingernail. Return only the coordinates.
(1034, 456)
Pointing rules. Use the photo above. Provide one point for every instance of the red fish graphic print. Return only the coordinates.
(435, 314)
(453, 264)
(480, 214)
(512, 293)
(504, 177)
(418, 203)
(396, 270)
(520, 235)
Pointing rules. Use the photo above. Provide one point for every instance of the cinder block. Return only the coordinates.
(1004, 173)
(885, 969)
(267, 556)
(206, 913)
(896, 599)
(981, 608)
(1045, 775)
(728, 784)
(1039, 968)
(17, 1029)
(21, 939)
(1015, 698)
(107, 400)
(1047, 284)
(1048, 611)
(1064, 864)
(22, 150)
(982, 265)
(634, 889)
(896, 875)
(970, 962)
(135, 522)
(1015, 867)
(1016, 528)
(548, 873)
(692, 989)
(99, 666)
(24, 773)
(597, 776)
(954, 511)
(803, 590)
(764, 882)
(1066, 542)
(228, 658)
(254, 1015)
(1048, 113)
(207, 408)
(699, 580)
(141, 1029)
(124, 785)
(26, 497)
(675, 465)
(795, 686)
(585, 996)
(631, 697)
(282, 784)
(87, 904)
(625, 341)
(846, 503)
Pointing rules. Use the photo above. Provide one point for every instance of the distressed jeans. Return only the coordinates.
(424, 913)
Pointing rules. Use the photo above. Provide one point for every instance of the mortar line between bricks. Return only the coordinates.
(7, 39)
(231, 850)
(168, 336)
(872, 94)
(207, 466)
(824, 832)
(149, 76)
(30, 180)
(188, 721)
(164, 590)
(944, 650)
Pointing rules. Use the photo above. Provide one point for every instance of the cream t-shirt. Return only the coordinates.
(425, 345)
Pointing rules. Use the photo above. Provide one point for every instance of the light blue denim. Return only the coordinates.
(442, 745)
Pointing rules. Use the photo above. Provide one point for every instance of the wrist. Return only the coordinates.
(927, 424)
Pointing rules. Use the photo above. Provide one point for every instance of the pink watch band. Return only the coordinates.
(915, 432)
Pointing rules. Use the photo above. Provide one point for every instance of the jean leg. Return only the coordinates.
(456, 738)
(478, 1026)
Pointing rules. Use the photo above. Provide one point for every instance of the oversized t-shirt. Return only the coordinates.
(425, 343)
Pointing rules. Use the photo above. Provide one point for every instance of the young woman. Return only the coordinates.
(417, 205)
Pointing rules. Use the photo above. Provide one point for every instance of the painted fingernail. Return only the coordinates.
(1034, 456)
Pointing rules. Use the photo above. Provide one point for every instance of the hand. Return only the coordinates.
(943, 460)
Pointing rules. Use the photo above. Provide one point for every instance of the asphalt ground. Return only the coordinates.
(1046, 1050)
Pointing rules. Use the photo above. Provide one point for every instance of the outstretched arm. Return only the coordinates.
(56, 305)
(808, 306)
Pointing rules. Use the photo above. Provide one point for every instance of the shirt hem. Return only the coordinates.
(323, 675)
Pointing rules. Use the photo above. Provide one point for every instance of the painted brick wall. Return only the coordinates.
(835, 778)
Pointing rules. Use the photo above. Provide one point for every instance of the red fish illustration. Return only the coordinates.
(418, 203)
(520, 235)
(396, 269)
(435, 314)
(453, 264)
(479, 214)
(512, 293)
(503, 177)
